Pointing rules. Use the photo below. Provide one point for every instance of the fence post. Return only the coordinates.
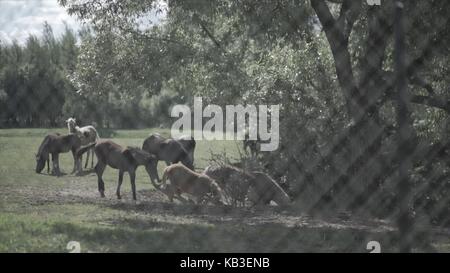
(405, 134)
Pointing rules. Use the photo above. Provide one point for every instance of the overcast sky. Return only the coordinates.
(18, 18)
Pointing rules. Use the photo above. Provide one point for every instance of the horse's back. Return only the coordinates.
(268, 189)
(152, 143)
(111, 153)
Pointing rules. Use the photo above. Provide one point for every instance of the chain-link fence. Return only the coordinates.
(362, 88)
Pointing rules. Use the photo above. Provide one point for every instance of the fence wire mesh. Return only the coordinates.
(364, 151)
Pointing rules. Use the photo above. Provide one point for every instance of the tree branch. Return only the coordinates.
(339, 47)
(207, 32)
(432, 101)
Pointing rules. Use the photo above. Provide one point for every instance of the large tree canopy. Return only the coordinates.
(331, 65)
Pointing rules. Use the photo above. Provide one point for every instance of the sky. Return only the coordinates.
(19, 18)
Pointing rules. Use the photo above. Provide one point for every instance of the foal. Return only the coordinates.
(124, 159)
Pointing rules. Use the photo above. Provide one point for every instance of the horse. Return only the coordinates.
(234, 181)
(55, 144)
(264, 189)
(259, 188)
(184, 180)
(125, 159)
(87, 134)
(171, 150)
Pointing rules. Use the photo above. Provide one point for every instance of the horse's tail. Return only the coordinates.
(85, 148)
(43, 148)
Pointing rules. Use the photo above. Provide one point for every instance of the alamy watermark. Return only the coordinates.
(250, 122)
(374, 2)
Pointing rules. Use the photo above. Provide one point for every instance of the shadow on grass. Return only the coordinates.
(181, 209)
(85, 172)
(81, 173)
(53, 174)
(136, 235)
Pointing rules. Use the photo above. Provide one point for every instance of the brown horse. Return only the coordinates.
(235, 182)
(126, 159)
(55, 144)
(264, 189)
(259, 188)
(171, 150)
(184, 180)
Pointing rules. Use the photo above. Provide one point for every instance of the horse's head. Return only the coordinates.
(151, 164)
(217, 194)
(42, 154)
(71, 122)
(40, 162)
(183, 155)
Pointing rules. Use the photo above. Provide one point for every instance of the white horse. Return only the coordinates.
(87, 134)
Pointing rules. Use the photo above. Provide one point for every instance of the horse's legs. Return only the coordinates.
(119, 184)
(55, 160)
(133, 184)
(76, 161)
(157, 175)
(87, 158)
(99, 169)
(53, 164)
(48, 164)
(92, 160)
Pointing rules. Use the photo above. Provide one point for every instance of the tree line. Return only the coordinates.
(37, 87)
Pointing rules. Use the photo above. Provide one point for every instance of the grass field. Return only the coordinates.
(42, 213)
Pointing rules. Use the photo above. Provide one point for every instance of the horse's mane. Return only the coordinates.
(71, 125)
(43, 148)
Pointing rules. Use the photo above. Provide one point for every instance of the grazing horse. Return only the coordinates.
(259, 188)
(124, 159)
(234, 181)
(55, 144)
(264, 189)
(87, 134)
(184, 180)
(171, 150)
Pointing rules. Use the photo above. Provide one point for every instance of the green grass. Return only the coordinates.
(42, 213)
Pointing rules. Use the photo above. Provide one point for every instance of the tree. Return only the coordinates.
(330, 64)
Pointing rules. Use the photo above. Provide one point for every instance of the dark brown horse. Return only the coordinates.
(171, 150)
(126, 159)
(55, 144)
